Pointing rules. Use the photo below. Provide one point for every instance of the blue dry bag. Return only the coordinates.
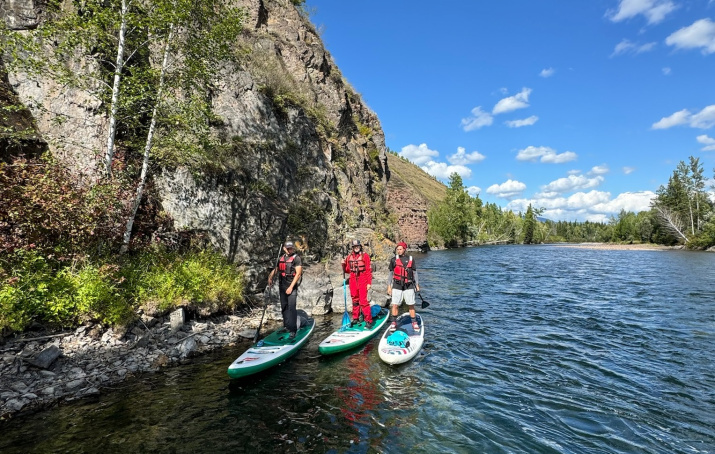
(399, 339)
(375, 310)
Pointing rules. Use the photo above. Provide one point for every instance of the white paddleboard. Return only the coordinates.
(396, 354)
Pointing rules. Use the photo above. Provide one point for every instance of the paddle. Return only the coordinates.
(346, 316)
(425, 304)
(268, 299)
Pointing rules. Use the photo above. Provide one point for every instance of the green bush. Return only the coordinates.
(38, 289)
(705, 238)
(203, 279)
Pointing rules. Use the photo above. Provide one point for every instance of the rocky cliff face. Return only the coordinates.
(311, 155)
(411, 192)
(307, 157)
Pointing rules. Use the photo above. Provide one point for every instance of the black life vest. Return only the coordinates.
(357, 265)
(403, 274)
(285, 266)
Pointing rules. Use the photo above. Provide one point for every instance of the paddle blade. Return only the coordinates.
(425, 304)
(346, 318)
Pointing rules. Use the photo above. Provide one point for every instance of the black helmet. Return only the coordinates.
(355, 243)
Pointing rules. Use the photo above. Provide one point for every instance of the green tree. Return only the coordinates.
(671, 206)
(698, 190)
(452, 218)
(624, 227)
(683, 208)
(529, 225)
(163, 102)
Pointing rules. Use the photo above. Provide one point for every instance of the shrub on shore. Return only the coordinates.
(38, 289)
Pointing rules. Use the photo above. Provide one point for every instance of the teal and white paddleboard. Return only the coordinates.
(270, 351)
(348, 337)
(406, 350)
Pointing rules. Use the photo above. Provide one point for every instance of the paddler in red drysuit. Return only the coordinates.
(357, 263)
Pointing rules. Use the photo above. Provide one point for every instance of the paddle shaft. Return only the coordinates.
(265, 303)
(346, 316)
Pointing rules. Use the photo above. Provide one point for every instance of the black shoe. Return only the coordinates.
(354, 323)
(369, 325)
(291, 336)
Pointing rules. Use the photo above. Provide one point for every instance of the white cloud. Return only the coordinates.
(595, 206)
(629, 201)
(628, 170)
(525, 122)
(478, 119)
(597, 217)
(532, 153)
(629, 47)
(654, 10)
(461, 158)
(705, 119)
(700, 34)
(566, 156)
(570, 183)
(709, 142)
(599, 170)
(510, 188)
(585, 200)
(573, 172)
(418, 154)
(666, 71)
(545, 155)
(578, 202)
(518, 101)
(678, 118)
(474, 191)
(547, 72)
(442, 170)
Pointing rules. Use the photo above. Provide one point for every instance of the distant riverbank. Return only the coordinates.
(621, 247)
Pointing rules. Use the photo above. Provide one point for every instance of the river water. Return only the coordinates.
(529, 349)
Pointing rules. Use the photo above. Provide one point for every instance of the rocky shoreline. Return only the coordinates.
(37, 372)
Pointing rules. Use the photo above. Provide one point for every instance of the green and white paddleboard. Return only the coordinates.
(270, 351)
(348, 337)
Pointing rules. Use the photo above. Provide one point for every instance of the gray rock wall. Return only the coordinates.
(20, 14)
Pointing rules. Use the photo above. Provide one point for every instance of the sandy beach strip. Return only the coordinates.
(619, 247)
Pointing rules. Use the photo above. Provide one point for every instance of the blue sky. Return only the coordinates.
(578, 107)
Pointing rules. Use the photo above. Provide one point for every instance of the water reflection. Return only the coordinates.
(361, 395)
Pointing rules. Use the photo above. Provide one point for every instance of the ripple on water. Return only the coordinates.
(536, 349)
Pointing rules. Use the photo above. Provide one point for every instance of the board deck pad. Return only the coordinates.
(348, 337)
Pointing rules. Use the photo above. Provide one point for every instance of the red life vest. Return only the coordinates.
(286, 266)
(356, 265)
(402, 274)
